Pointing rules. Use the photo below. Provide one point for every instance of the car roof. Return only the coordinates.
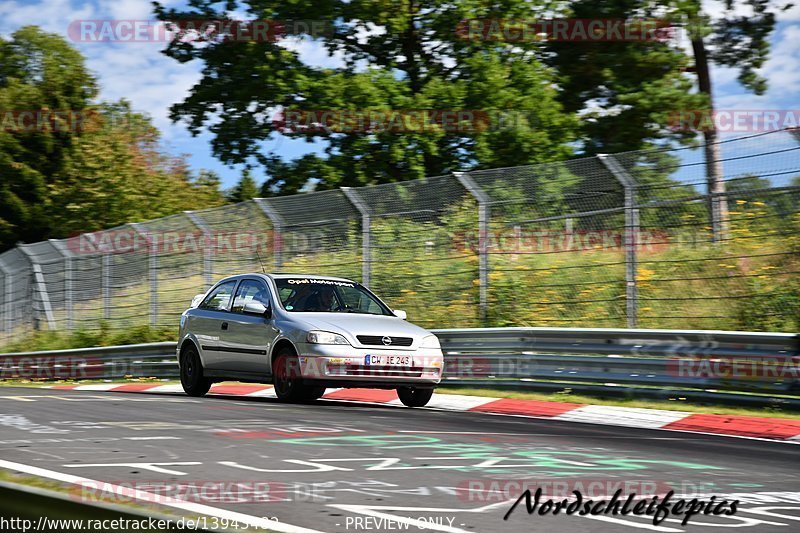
(285, 276)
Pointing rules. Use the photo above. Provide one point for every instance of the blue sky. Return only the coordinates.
(152, 81)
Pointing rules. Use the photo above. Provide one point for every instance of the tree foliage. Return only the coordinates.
(245, 190)
(396, 56)
(110, 170)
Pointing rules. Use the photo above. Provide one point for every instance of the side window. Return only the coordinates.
(250, 290)
(219, 298)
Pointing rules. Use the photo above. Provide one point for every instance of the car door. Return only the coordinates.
(248, 339)
(209, 320)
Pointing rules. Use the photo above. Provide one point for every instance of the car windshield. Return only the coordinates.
(327, 296)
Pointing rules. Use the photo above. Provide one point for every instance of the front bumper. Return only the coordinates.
(346, 365)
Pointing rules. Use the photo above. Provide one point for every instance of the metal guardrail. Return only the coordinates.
(731, 360)
(155, 359)
(636, 361)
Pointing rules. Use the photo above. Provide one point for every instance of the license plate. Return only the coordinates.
(387, 360)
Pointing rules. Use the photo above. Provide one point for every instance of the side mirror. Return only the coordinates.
(196, 300)
(257, 308)
(400, 314)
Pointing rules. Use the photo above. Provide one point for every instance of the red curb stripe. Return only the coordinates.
(745, 426)
(237, 390)
(526, 407)
(134, 387)
(363, 395)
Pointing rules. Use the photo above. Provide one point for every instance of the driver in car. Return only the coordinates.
(322, 300)
(262, 296)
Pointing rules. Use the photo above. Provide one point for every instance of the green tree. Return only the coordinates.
(736, 41)
(99, 165)
(245, 190)
(117, 172)
(415, 60)
(39, 71)
(626, 91)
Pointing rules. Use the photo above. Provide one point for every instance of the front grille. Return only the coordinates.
(377, 340)
(389, 371)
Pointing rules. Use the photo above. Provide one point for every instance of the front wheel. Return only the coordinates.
(413, 397)
(288, 381)
(192, 379)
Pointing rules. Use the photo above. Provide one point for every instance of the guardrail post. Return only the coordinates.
(69, 303)
(483, 238)
(277, 230)
(152, 253)
(207, 250)
(631, 235)
(366, 233)
(41, 289)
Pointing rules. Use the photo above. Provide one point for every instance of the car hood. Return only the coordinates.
(352, 324)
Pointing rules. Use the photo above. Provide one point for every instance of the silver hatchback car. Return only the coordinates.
(303, 334)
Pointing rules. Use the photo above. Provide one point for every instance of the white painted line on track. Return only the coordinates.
(627, 416)
(266, 393)
(166, 388)
(97, 386)
(637, 525)
(252, 521)
(458, 402)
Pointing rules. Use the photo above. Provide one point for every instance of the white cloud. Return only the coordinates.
(312, 52)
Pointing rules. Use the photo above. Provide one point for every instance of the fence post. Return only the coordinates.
(106, 284)
(631, 235)
(207, 250)
(366, 233)
(483, 237)
(7, 322)
(41, 288)
(277, 230)
(69, 303)
(152, 253)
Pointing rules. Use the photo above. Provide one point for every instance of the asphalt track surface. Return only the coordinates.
(344, 466)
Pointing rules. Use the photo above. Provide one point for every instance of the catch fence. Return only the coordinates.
(621, 240)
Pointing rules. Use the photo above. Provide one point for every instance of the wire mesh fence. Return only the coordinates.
(607, 241)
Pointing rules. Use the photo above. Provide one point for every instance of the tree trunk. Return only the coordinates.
(717, 201)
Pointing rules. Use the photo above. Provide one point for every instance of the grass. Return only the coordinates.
(74, 492)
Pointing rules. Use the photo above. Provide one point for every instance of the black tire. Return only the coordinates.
(313, 393)
(286, 377)
(413, 397)
(192, 379)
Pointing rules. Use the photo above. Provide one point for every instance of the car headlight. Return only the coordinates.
(325, 337)
(431, 341)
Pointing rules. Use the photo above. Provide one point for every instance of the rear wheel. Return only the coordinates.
(414, 397)
(192, 379)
